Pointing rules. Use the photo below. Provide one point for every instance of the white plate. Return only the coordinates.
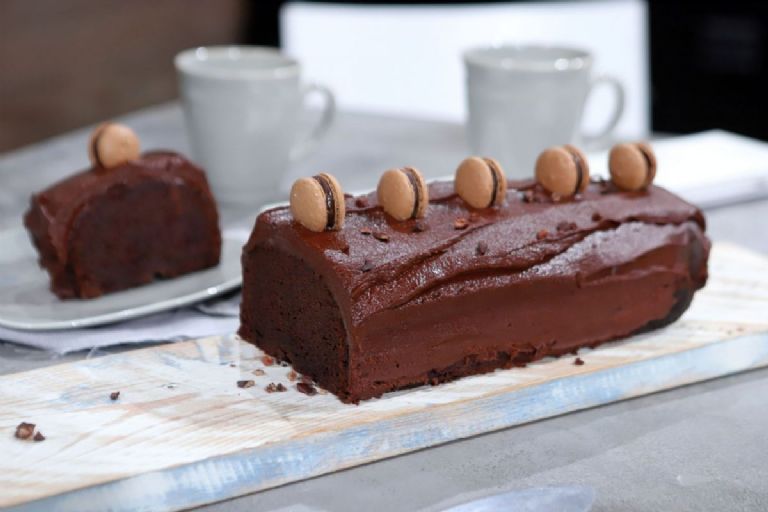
(27, 303)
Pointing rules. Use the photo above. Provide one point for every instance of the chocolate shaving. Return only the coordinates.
(114, 395)
(367, 266)
(292, 375)
(578, 361)
(307, 389)
(542, 234)
(460, 223)
(481, 248)
(596, 217)
(365, 231)
(38, 437)
(275, 388)
(381, 237)
(243, 384)
(24, 430)
(267, 360)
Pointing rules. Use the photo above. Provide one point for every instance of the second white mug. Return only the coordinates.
(523, 99)
(243, 107)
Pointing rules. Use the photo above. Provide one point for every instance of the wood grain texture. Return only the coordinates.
(182, 433)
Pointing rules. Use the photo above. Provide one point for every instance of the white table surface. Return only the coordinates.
(701, 447)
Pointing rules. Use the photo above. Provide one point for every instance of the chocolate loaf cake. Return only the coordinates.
(108, 229)
(381, 305)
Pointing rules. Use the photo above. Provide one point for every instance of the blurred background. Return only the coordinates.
(687, 66)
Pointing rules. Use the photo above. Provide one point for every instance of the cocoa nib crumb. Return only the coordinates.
(381, 237)
(596, 217)
(481, 248)
(566, 226)
(38, 437)
(114, 395)
(292, 375)
(366, 231)
(307, 389)
(528, 196)
(245, 384)
(259, 372)
(306, 380)
(460, 223)
(367, 266)
(419, 227)
(267, 360)
(578, 361)
(542, 234)
(24, 430)
(275, 388)
(361, 202)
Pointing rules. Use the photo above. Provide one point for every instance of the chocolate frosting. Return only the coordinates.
(419, 266)
(104, 230)
(424, 301)
(60, 202)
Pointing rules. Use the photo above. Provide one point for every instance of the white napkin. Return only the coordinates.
(210, 318)
(709, 169)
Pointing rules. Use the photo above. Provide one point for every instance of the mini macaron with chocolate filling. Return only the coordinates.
(112, 144)
(480, 182)
(632, 165)
(563, 170)
(317, 203)
(403, 193)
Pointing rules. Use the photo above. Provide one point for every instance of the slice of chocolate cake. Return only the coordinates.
(108, 229)
(381, 304)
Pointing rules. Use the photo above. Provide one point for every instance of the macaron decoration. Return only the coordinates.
(562, 170)
(480, 182)
(112, 144)
(403, 193)
(632, 165)
(317, 203)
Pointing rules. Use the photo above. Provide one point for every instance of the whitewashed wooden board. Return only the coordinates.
(183, 434)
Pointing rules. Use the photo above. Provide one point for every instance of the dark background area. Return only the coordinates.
(68, 63)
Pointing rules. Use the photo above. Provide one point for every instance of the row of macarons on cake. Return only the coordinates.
(317, 202)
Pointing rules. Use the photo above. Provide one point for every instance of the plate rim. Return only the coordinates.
(132, 312)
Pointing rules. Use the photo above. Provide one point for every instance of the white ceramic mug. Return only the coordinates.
(523, 99)
(243, 107)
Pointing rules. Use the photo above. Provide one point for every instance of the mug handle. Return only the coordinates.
(303, 147)
(602, 137)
